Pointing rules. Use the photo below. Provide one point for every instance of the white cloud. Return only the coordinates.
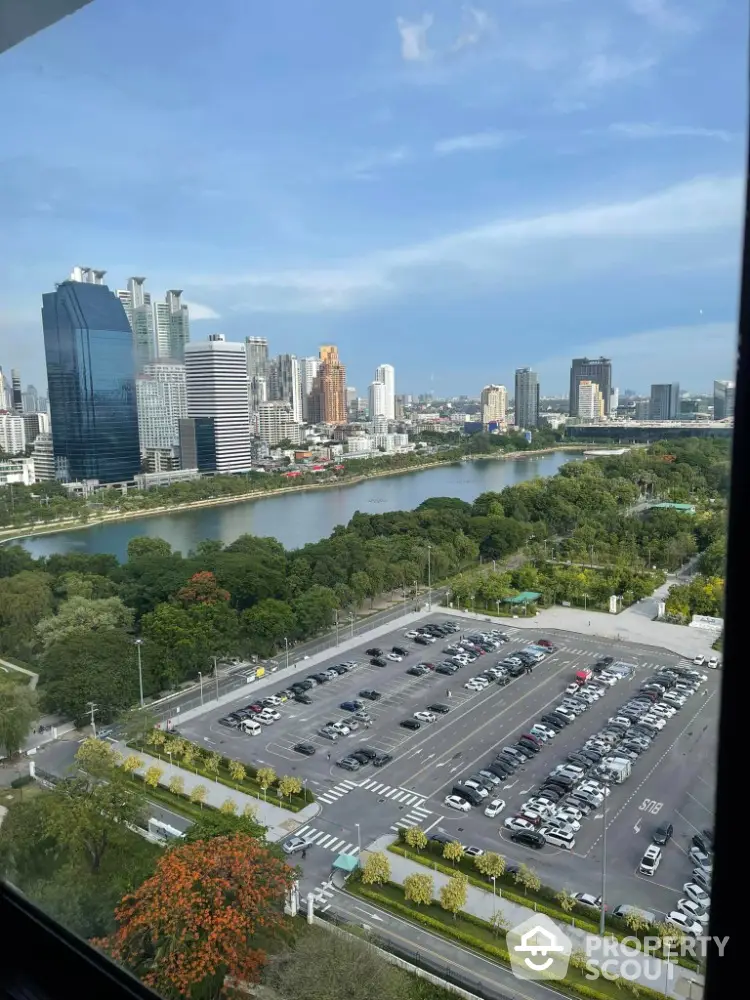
(645, 130)
(198, 311)
(477, 24)
(474, 143)
(605, 68)
(367, 166)
(414, 45)
(663, 16)
(677, 226)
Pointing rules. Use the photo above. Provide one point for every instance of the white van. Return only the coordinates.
(251, 727)
(559, 838)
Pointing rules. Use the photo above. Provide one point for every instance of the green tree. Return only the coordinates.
(453, 893)
(265, 777)
(528, 878)
(237, 771)
(265, 625)
(453, 851)
(314, 609)
(91, 586)
(177, 784)
(566, 900)
(212, 764)
(145, 546)
(24, 600)
(416, 838)
(198, 794)
(18, 710)
(213, 823)
(228, 807)
(153, 774)
(491, 865)
(377, 869)
(82, 616)
(635, 921)
(132, 763)
(419, 889)
(289, 785)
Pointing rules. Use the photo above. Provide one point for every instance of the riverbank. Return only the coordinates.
(36, 531)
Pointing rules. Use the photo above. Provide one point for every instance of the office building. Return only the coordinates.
(590, 400)
(599, 371)
(12, 434)
(493, 401)
(285, 384)
(43, 455)
(276, 423)
(172, 327)
(16, 394)
(723, 400)
(35, 424)
(256, 351)
(217, 402)
(664, 403)
(29, 399)
(328, 395)
(160, 329)
(6, 392)
(387, 375)
(377, 400)
(641, 409)
(91, 378)
(526, 398)
(161, 391)
(308, 370)
(17, 470)
(614, 401)
(136, 302)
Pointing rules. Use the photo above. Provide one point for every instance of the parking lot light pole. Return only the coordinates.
(359, 844)
(138, 643)
(604, 867)
(351, 622)
(286, 650)
(200, 681)
(216, 676)
(429, 577)
(336, 622)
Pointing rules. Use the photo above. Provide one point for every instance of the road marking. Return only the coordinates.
(335, 846)
(687, 820)
(350, 849)
(443, 763)
(367, 913)
(637, 827)
(511, 785)
(434, 823)
(326, 841)
(698, 804)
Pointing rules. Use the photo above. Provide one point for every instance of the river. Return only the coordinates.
(307, 516)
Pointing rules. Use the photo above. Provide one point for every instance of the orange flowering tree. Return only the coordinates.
(202, 588)
(199, 921)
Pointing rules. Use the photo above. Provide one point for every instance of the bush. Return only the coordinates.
(22, 781)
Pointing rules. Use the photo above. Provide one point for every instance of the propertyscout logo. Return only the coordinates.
(538, 949)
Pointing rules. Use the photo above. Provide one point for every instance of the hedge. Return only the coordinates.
(568, 985)
(543, 899)
(249, 786)
(21, 781)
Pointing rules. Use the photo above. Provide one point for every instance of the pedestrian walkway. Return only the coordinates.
(654, 973)
(332, 794)
(331, 842)
(406, 796)
(415, 817)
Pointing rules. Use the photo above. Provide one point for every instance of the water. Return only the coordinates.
(298, 518)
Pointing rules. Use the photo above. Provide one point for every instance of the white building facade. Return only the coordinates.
(161, 393)
(12, 433)
(387, 375)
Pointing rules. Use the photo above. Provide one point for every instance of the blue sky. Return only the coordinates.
(455, 189)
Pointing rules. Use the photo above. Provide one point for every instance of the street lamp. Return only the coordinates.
(604, 865)
(359, 844)
(585, 600)
(200, 681)
(429, 576)
(336, 622)
(351, 622)
(138, 643)
(286, 650)
(216, 676)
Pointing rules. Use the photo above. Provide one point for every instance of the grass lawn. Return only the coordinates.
(10, 796)
(483, 938)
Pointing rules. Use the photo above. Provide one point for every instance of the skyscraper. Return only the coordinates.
(17, 395)
(172, 324)
(256, 351)
(91, 377)
(723, 400)
(160, 329)
(665, 401)
(526, 398)
(494, 403)
(285, 383)
(217, 400)
(590, 400)
(308, 369)
(162, 402)
(598, 370)
(377, 399)
(387, 375)
(276, 423)
(136, 302)
(328, 396)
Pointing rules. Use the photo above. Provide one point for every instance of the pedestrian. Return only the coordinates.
(589, 624)
(304, 853)
(329, 756)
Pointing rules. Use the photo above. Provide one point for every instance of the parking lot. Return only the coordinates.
(672, 780)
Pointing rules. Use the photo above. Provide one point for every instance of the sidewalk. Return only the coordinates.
(280, 822)
(666, 977)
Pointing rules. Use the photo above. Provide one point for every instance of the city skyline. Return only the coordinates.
(403, 185)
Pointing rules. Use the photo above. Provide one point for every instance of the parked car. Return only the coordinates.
(370, 695)
(410, 724)
(455, 802)
(306, 749)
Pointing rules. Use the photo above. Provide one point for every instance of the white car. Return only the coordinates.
(425, 716)
(692, 910)
(490, 777)
(272, 713)
(713, 663)
(666, 710)
(518, 823)
(456, 802)
(340, 727)
(587, 899)
(474, 685)
(684, 923)
(564, 823)
(395, 657)
(543, 731)
(411, 634)
(266, 720)
(570, 814)
(699, 660)
(273, 700)
(654, 720)
(620, 720)
(572, 689)
(698, 894)
(494, 808)
(476, 787)
(675, 699)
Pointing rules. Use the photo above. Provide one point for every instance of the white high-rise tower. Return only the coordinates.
(387, 375)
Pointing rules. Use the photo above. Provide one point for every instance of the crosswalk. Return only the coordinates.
(322, 894)
(329, 841)
(415, 817)
(332, 794)
(392, 792)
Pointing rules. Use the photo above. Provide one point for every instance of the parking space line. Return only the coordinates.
(434, 823)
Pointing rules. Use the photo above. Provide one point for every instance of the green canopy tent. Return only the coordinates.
(345, 863)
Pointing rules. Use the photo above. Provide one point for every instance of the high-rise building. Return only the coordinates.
(217, 400)
(162, 402)
(526, 398)
(256, 350)
(598, 370)
(276, 423)
(43, 453)
(136, 302)
(6, 392)
(614, 400)
(160, 329)
(12, 434)
(590, 400)
(665, 401)
(17, 395)
(172, 326)
(493, 401)
(29, 399)
(91, 378)
(723, 400)
(285, 383)
(387, 375)
(328, 396)
(377, 400)
(35, 424)
(308, 369)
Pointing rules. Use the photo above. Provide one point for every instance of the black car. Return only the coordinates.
(422, 640)
(418, 671)
(361, 757)
(439, 708)
(229, 723)
(516, 669)
(556, 721)
(605, 661)
(551, 792)
(580, 760)
(303, 698)
(400, 650)
(448, 669)
(351, 706)
(529, 838)
(374, 651)
(382, 759)
(499, 769)
(512, 762)
(525, 744)
(441, 838)
(340, 668)
(379, 661)
(367, 752)
(410, 724)
(702, 843)
(321, 678)
(370, 695)
(663, 834)
(306, 749)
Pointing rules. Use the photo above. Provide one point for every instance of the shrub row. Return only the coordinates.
(21, 781)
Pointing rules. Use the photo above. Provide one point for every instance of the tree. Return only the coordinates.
(453, 851)
(289, 785)
(144, 546)
(578, 959)
(264, 626)
(202, 588)
(237, 771)
(419, 889)
(81, 615)
(490, 864)
(194, 924)
(199, 794)
(188, 753)
(228, 807)
(132, 763)
(453, 893)
(24, 599)
(566, 900)
(177, 784)
(415, 838)
(500, 923)
(18, 710)
(215, 823)
(98, 757)
(153, 774)
(528, 878)
(314, 609)
(377, 869)
(265, 777)
(212, 764)
(137, 724)
(635, 921)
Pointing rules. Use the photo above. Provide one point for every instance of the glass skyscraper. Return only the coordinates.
(88, 346)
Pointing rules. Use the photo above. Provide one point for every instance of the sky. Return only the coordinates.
(455, 189)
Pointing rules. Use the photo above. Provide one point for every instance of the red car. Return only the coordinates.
(255, 707)
(544, 642)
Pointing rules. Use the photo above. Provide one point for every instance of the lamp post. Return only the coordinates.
(351, 622)
(138, 643)
(604, 865)
(216, 676)
(429, 576)
(336, 623)
(585, 602)
(200, 681)
(359, 843)
(286, 650)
